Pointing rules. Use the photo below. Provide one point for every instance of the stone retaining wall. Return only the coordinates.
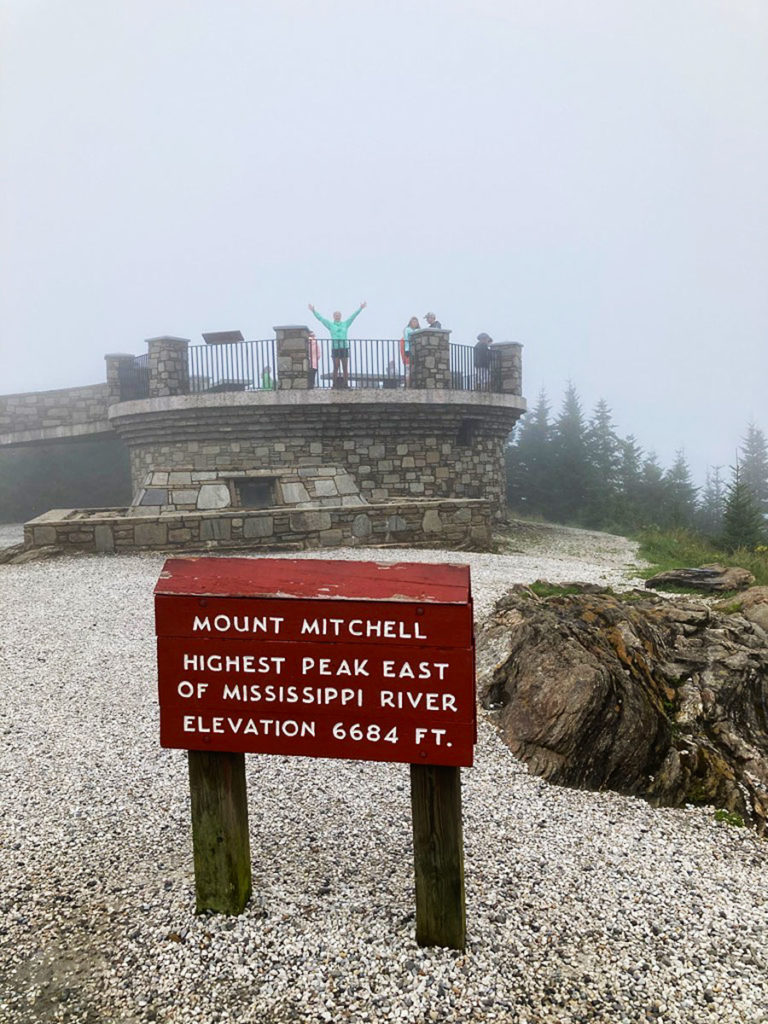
(444, 524)
(392, 448)
(55, 410)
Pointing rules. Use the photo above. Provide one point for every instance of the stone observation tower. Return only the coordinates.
(231, 444)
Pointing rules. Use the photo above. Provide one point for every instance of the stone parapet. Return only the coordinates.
(510, 366)
(439, 524)
(117, 363)
(292, 357)
(430, 354)
(46, 412)
(168, 366)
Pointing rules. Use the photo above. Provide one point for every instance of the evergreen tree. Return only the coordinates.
(651, 493)
(743, 524)
(629, 511)
(709, 517)
(529, 461)
(570, 466)
(753, 466)
(604, 458)
(679, 494)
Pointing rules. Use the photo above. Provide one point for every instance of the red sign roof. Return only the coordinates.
(316, 578)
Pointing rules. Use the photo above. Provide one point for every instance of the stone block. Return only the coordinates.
(178, 478)
(184, 496)
(103, 538)
(306, 522)
(215, 529)
(44, 535)
(331, 538)
(150, 535)
(154, 496)
(361, 526)
(294, 493)
(325, 488)
(258, 526)
(212, 496)
(432, 523)
(345, 484)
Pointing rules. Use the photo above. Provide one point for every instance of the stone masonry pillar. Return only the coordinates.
(510, 367)
(168, 366)
(292, 357)
(116, 361)
(430, 359)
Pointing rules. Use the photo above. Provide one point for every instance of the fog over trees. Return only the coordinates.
(569, 467)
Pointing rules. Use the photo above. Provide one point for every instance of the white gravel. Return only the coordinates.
(581, 907)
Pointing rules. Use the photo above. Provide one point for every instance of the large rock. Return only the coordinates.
(661, 698)
(713, 578)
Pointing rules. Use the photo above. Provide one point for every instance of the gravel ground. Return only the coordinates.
(581, 907)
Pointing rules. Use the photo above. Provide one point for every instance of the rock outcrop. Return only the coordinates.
(714, 579)
(662, 698)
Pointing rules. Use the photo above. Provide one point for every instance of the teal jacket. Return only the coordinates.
(338, 331)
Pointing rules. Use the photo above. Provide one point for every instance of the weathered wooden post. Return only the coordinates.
(438, 855)
(220, 844)
(356, 660)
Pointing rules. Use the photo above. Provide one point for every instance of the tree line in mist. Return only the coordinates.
(570, 468)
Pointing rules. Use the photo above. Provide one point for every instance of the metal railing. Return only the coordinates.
(251, 366)
(133, 379)
(371, 363)
(465, 376)
(233, 366)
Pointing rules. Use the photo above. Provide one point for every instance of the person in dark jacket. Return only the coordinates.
(433, 322)
(482, 361)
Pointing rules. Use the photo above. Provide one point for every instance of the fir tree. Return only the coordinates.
(630, 482)
(604, 458)
(651, 493)
(570, 466)
(743, 524)
(529, 461)
(679, 494)
(753, 466)
(709, 516)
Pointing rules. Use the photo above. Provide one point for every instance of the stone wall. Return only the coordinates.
(189, 490)
(391, 448)
(60, 410)
(444, 524)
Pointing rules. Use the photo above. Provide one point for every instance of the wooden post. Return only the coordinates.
(438, 853)
(220, 842)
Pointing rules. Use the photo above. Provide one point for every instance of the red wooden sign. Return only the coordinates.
(324, 659)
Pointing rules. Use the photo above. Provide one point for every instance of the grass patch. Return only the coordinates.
(730, 818)
(683, 549)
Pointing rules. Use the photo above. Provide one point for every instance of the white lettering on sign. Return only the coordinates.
(436, 734)
(426, 701)
(389, 628)
(222, 724)
(239, 623)
(323, 667)
(254, 693)
(423, 670)
(233, 663)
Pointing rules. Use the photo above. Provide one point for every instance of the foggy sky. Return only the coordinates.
(586, 178)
